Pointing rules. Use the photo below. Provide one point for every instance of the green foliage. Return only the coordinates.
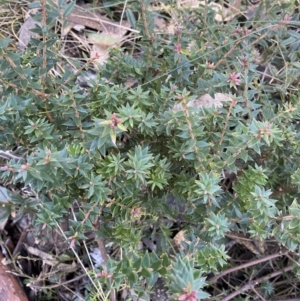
(184, 277)
(122, 152)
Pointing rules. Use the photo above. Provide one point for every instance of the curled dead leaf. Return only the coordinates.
(179, 238)
(206, 101)
(99, 55)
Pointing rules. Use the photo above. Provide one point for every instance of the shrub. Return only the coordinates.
(206, 143)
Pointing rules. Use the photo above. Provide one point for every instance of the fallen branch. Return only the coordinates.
(252, 284)
(246, 265)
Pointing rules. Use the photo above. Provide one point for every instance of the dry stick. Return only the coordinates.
(77, 256)
(258, 294)
(102, 249)
(187, 115)
(21, 240)
(293, 260)
(77, 72)
(7, 155)
(205, 14)
(105, 257)
(14, 66)
(296, 299)
(144, 17)
(44, 24)
(248, 264)
(226, 54)
(252, 284)
(237, 43)
(44, 55)
(58, 284)
(123, 11)
(36, 92)
(233, 103)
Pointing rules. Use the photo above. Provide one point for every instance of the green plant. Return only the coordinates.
(109, 158)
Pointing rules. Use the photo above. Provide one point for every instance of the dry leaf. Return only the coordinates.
(206, 101)
(97, 257)
(104, 39)
(130, 82)
(149, 244)
(47, 258)
(99, 55)
(51, 260)
(25, 33)
(162, 26)
(160, 23)
(188, 3)
(223, 13)
(67, 26)
(260, 244)
(31, 12)
(243, 240)
(94, 19)
(110, 33)
(179, 238)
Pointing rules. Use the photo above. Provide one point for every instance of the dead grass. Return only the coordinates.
(11, 19)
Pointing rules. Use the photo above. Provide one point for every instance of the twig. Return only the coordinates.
(98, 289)
(258, 294)
(21, 240)
(144, 18)
(105, 257)
(233, 103)
(296, 299)
(44, 55)
(102, 249)
(227, 54)
(123, 11)
(32, 285)
(8, 155)
(246, 265)
(293, 260)
(252, 284)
